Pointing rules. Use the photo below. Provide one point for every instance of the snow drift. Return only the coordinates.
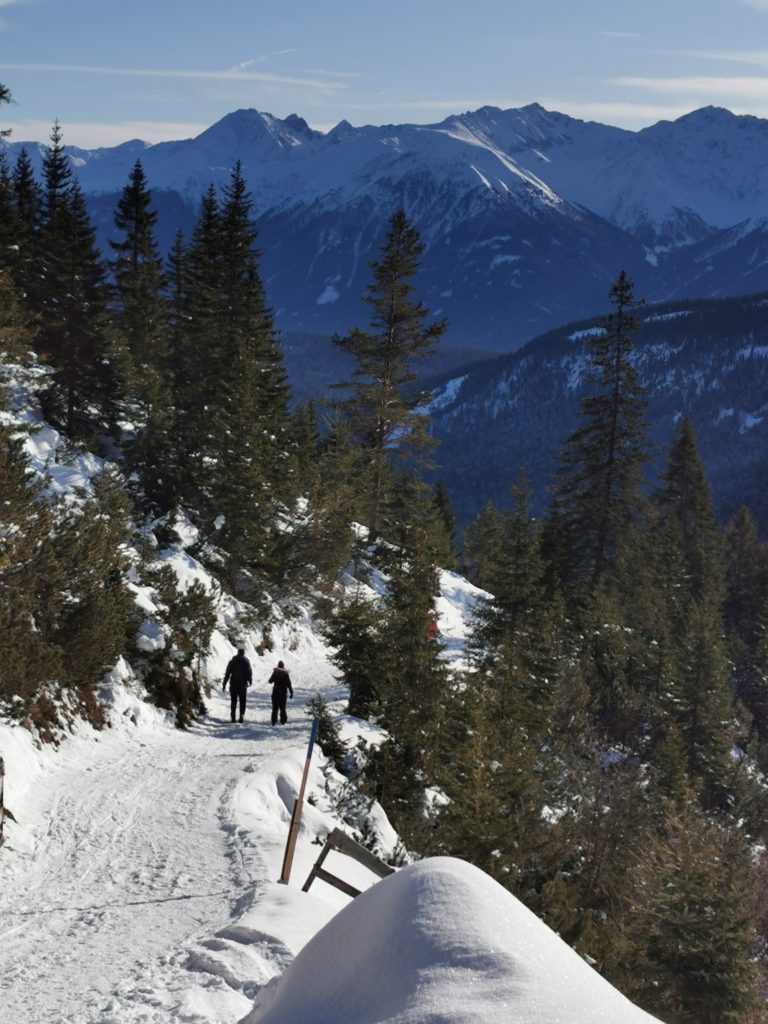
(440, 942)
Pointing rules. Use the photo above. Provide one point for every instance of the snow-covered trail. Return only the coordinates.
(135, 855)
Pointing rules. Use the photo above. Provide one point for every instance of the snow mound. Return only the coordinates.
(440, 942)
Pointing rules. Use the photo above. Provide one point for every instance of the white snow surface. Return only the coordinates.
(440, 942)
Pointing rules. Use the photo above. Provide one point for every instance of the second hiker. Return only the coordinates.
(281, 687)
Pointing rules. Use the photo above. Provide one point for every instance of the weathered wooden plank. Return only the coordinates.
(338, 883)
(347, 845)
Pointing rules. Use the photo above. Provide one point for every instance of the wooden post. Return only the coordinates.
(2, 802)
(293, 831)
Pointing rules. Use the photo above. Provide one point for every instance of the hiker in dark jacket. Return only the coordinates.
(239, 676)
(281, 687)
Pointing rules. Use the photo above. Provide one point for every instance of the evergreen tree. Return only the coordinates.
(10, 226)
(246, 482)
(27, 659)
(328, 735)
(234, 443)
(515, 580)
(482, 546)
(186, 619)
(381, 407)
(413, 684)
(16, 326)
(5, 97)
(353, 630)
(684, 504)
(693, 924)
(442, 528)
(71, 300)
(141, 318)
(138, 275)
(28, 205)
(746, 580)
(94, 620)
(597, 491)
(323, 473)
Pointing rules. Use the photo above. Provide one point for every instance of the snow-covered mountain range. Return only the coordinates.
(527, 215)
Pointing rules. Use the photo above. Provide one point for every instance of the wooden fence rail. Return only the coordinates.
(340, 841)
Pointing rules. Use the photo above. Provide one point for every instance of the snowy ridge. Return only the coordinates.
(680, 206)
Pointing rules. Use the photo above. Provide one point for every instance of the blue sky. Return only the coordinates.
(111, 70)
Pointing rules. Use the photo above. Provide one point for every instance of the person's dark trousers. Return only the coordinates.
(278, 707)
(237, 692)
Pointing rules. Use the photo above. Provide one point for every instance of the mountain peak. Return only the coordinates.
(248, 127)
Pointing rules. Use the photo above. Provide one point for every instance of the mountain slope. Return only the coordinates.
(707, 360)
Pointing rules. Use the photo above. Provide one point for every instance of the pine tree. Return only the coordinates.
(684, 502)
(10, 224)
(328, 734)
(70, 297)
(28, 204)
(138, 275)
(94, 621)
(353, 630)
(141, 318)
(380, 407)
(186, 619)
(27, 659)
(323, 474)
(516, 581)
(597, 491)
(482, 545)
(746, 580)
(693, 923)
(249, 432)
(234, 447)
(413, 683)
(16, 326)
(442, 527)
(698, 697)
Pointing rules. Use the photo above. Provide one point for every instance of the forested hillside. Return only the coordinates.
(704, 360)
(603, 756)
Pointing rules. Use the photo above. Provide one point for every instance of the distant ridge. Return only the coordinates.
(526, 214)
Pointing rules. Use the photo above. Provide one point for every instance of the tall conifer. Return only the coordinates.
(381, 409)
(597, 492)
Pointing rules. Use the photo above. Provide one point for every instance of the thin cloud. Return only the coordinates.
(450, 105)
(91, 135)
(325, 72)
(745, 88)
(757, 58)
(618, 113)
(758, 5)
(237, 74)
(275, 53)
